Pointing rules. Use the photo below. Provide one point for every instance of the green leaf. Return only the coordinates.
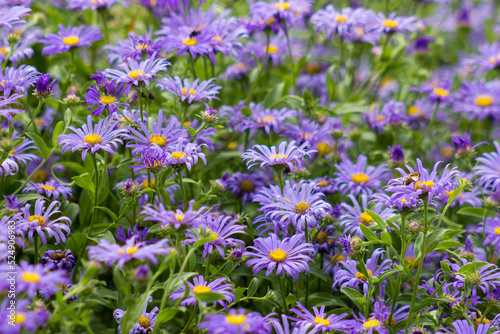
(446, 267)
(386, 238)
(324, 298)
(40, 143)
(316, 271)
(108, 211)
(167, 314)
(454, 194)
(291, 299)
(106, 235)
(472, 212)
(203, 241)
(192, 132)
(252, 287)
(274, 95)
(445, 245)
(238, 292)
(59, 128)
(208, 297)
(369, 235)
(353, 295)
(86, 183)
(377, 219)
(78, 168)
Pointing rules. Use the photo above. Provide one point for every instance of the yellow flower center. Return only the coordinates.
(278, 156)
(144, 321)
(179, 217)
(71, 40)
(108, 99)
(301, 208)
(178, 155)
(449, 297)
(47, 187)
(217, 38)
(189, 41)
(323, 148)
(341, 18)
(185, 92)
(141, 46)
(31, 277)
(20, 318)
(201, 289)
(214, 235)
(145, 183)
(323, 184)
(278, 255)
(283, 5)
(324, 322)
(272, 49)
(497, 230)
(92, 139)
(441, 92)
(390, 24)
(360, 177)
(128, 250)
(3, 51)
(236, 319)
(247, 186)
(410, 259)
(361, 276)
(484, 100)
(232, 145)
(413, 110)
(313, 68)
(158, 140)
(135, 74)
(39, 219)
(365, 219)
(447, 152)
(268, 118)
(403, 200)
(372, 322)
(420, 184)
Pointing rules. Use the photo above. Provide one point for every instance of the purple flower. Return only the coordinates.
(265, 119)
(478, 100)
(235, 322)
(25, 317)
(356, 215)
(105, 98)
(300, 205)
(146, 322)
(325, 184)
(221, 228)
(190, 92)
(277, 157)
(185, 155)
(487, 169)
(195, 44)
(463, 327)
(31, 278)
(351, 277)
(320, 322)
(58, 259)
(42, 223)
(397, 154)
(134, 47)
(139, 232)
(325, 239)
(102, 136)
(290, 11)
(491, 229)
(485, 278)
(318, 136)
(393, 23)
(219, 285)
(487, 59)
(190, 218)
(18, 153)
(69, 37)
(245, 186)
(17, 80)
(133, 72)
(436, 91)
(421, 44)
(331, 21)
(290, 255)
(111, 254)
(153, 159)
(7, 106)
(94, 4)
(11, 16)
(359, 178)
(51, 189)
(43, 87)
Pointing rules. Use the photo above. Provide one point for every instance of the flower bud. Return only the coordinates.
(71, 99)
(209, 116)
(13, 38)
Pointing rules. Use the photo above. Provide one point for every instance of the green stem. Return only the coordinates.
(40, 104)
(191, 64)
(290, 58)
(280, 178)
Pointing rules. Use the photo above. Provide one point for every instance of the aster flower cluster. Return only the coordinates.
(270, 166)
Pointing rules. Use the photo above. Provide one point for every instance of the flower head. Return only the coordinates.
(190, 92)
(43, 87)
(51, 189)
(105, 98)
(70, 37)
(235, 322)
(200, 285)
(487, 169)
(58, 259)
(31, 278)
(146, 322)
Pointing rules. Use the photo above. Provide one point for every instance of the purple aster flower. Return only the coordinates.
(236, 322)
(137, 231)
(69, 37)
(463, 144)
(266, 119)
(219, 285)
(164, 133)
(277, 157)
(221, 228)
(397, 154)
(280, 10)
(153, 159)
(105, 98)
(356, 214)
(51, 189)
(421, 44)
(394, 113)
(396, 201)
(375, 120)
(190, 218)
(325, 239)
(102, 136)
(114, 254)
(25, 318)
(190, 92)
(43, 87)
(351, 277)
(325, 184)
(276, 52)
(370, 325)
(146, 322)
(17, 80)
(246, 185)
(310, 131)
(362, 27)
(11, 16)
(58, 259)
(320, 322)
(13, 205)
(393, 23)
(19, 155)
(331, 21)
(100, 79)
(487, 169)
(94, 4)
(42, 223)
(300, 205)
(478, 100)
(194, 42)
(491, 229)
(31, 278)
(485, 278)
(487, 59)
(290, 255)
(185, 155)
(133, 72)
(383, 312)
(9, 105)
(429, 184)
(436, 91)
(463, 327)
(285, 328)
(359, 178)
(134, 47)
(9, 167)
